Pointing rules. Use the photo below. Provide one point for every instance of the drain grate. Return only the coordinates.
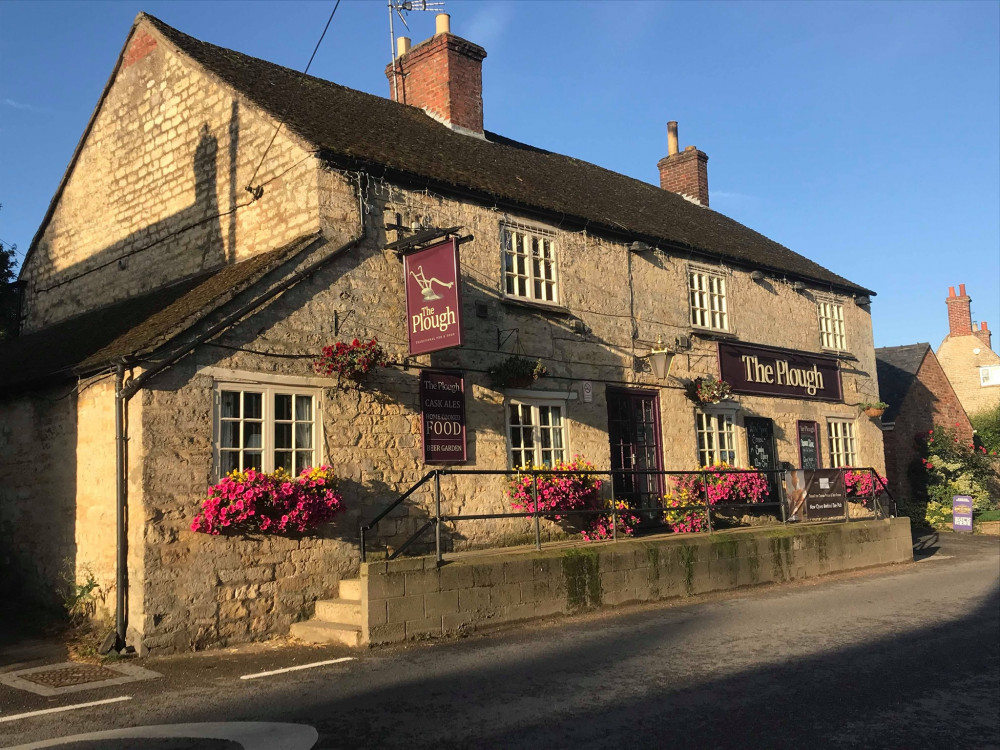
(78, 674)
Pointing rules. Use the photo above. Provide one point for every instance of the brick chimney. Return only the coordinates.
(959, 312)
(443, 76)
(685, 172)
(984, 334)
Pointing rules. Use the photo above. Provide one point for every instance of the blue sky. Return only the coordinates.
(864, 135)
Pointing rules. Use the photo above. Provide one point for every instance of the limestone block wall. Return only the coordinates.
(156, 191)
(412, 598)
(961, 357)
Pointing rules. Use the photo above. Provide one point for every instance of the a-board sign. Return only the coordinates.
(808, 445)
(817, 495)
(442, 417)
(433, 302)
(961, 513)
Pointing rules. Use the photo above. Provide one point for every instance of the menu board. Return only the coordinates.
(808, 445)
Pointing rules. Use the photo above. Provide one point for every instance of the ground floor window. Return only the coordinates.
(265, 428)
(843, 449)
(536, 433)
(716, 438)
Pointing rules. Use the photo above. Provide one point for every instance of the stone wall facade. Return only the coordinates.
(415, 598)
(156, 192)
(961, 357)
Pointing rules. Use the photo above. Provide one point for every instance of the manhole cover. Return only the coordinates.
(78, 674)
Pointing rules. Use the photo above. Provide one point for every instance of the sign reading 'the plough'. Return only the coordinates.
(433, 303)
(780, 372)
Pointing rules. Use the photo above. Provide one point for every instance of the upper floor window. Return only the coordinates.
(989, 375)
(529, 264)
(709, 308)
(265, 428)
(843, 448)
(536, 433)
(716, 438)
(831, 326)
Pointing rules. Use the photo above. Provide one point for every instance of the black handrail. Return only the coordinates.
(392, 506)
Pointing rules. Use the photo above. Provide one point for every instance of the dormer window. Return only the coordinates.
(529, 264)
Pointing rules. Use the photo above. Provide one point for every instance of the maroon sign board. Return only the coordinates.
(817, 495)
(433, 303)
(442, 417)
(764, 371)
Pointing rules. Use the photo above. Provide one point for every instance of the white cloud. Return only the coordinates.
(25, 107)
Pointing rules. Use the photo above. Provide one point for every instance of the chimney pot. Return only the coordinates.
(951, 291)
(961, 290)
(402, 45)
(442, 24)
(672, 138)
(983, 326)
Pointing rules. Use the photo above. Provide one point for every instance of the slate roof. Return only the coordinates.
(353, 128)
(897, 370)
(88, 343)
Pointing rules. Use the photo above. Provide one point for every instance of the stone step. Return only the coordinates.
(339, 610)
(350, 588)
(319, 631)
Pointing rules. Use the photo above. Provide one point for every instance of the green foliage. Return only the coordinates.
(987, 427)
(873, 405)
(949, 465)
(516, 372)
(988, 515)
(81, 599)
(8, 293)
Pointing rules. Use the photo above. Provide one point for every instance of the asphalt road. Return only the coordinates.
(904, 657)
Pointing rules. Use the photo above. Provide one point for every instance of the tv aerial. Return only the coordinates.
(398, 8)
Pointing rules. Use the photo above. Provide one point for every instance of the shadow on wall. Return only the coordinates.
(181, 245)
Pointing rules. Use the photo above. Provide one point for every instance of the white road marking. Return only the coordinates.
(65, 708)
(251, 735)
(296, 669)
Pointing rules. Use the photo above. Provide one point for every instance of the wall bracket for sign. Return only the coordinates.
(421, 239)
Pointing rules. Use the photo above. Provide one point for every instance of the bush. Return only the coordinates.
(987, 427)
(251, 501)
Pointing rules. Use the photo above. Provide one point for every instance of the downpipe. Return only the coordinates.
(121, 515)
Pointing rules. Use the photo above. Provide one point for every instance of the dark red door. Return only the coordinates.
(634, 434)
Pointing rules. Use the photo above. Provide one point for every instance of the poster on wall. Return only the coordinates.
(442, 417)
(817, 495)
(433, 302)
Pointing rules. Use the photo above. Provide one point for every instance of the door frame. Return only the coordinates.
(611, 391)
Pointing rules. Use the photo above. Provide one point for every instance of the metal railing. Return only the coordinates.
(776, 482)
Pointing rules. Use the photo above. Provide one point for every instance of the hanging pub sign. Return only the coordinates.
(433, 305)
(766, 371)
(442, 417)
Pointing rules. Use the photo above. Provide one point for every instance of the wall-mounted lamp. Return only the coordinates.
(660, 360)
(639, 247)
(862, 300)
(798, 286)
(757, 275)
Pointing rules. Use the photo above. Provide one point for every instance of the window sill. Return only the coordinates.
(713, 335)
(527, 304)
(840, 354)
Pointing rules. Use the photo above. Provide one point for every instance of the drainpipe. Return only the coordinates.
(121, 568)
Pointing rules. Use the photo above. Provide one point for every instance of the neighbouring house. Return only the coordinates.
(196, 258)
(919, 394)
(967, 357)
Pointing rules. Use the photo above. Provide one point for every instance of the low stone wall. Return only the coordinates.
(410, 598)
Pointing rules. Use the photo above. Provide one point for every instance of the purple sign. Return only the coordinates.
(767, 371)
(442, 417)
(961, 513)
(433, 305)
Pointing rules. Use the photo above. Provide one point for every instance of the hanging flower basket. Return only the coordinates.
(709, 390)
(516, 372)
(353, 360)
(874, 409)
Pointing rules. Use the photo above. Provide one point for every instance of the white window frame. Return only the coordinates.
(529, 232)
(989, 375)
(832, 327)
(716, 453)
(535, 405)
(842, 442)
(708, 299)
(268, 392)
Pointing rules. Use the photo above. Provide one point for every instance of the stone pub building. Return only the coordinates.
(164, 303)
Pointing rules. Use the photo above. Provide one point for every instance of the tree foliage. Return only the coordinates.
(987, 427)
(8, 293)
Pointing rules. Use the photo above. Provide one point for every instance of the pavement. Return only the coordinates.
(907, 656)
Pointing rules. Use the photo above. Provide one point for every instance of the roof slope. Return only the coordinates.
(89, 343)
(897, 369)
(369, 130)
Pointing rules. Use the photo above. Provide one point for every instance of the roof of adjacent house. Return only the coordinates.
(897, 370)
(90, 342)
(359, 129)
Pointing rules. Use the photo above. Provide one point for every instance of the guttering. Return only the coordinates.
(124, 391)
